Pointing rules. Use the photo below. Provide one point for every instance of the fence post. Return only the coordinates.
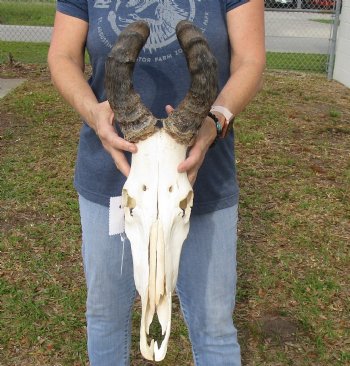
(333, 40)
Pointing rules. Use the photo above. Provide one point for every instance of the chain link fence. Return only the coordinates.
(299, 33)
(25, 30)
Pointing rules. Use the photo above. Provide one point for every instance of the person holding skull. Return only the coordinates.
(207, 270)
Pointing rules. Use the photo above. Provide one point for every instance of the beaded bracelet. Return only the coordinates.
(217, 126)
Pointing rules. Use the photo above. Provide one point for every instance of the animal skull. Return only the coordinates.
(157, 199)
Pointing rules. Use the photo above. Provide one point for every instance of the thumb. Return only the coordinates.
(169, 109)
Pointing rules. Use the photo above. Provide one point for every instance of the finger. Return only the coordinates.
(114, 141)
(169, 109)
(192, 177)
(189, 163)
(111, 118)
(105, 103)
(184, 166)
(121, 162)
(110, 138)
(121, 144)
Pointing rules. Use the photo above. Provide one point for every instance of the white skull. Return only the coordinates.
(157, 202)
(156, 198)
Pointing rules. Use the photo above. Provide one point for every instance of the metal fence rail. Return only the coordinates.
(299, 33)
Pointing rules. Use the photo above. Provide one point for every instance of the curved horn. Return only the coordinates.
(135, 120)
(185, 121)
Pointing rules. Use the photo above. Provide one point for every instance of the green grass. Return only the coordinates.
(295, 203)
(293, 253)
(24, 52)
(27, 13)
(297, 61)
(324, 21)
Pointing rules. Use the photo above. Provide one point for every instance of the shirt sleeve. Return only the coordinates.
(74, 8)
(231, 4)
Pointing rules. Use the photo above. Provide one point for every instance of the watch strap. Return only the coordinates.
(223, 110)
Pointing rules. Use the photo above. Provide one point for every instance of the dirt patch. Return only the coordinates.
(278, 328)
(26, 71)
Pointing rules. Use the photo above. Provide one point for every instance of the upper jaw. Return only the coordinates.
(157, 202)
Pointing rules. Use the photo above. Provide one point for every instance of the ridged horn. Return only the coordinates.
(135, 120)
(185, 121)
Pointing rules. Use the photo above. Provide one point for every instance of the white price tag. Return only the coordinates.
(116, 216)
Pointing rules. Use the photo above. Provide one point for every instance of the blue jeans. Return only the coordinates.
(206, 287)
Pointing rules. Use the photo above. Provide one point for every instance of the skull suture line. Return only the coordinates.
(157, 199)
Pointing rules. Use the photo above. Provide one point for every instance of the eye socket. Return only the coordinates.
(183, 204)
(186, 203)
(170, 189)
(144, 188)
(131, 202)
(128, 202)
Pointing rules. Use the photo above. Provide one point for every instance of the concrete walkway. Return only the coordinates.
(297, 32)
(7, 85)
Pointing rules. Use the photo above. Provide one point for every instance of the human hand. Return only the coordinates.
(103, 117)
(205, 137)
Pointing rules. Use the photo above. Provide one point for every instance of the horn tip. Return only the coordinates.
(182, 24)
(140, 26)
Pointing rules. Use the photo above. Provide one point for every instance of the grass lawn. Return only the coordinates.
(27, 12)
(23, 52)
(297, 61)
(293, 299)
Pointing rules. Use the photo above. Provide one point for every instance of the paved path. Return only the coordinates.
(297, 32)
(285, 32)
(7, 85)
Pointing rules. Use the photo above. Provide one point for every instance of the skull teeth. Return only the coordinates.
(152, 351)
(158, 300)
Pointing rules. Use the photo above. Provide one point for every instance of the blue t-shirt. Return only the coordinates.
(160, 77)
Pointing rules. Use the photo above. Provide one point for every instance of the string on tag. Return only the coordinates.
(122, 238)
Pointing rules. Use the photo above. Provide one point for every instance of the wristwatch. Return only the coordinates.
(229, 118)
